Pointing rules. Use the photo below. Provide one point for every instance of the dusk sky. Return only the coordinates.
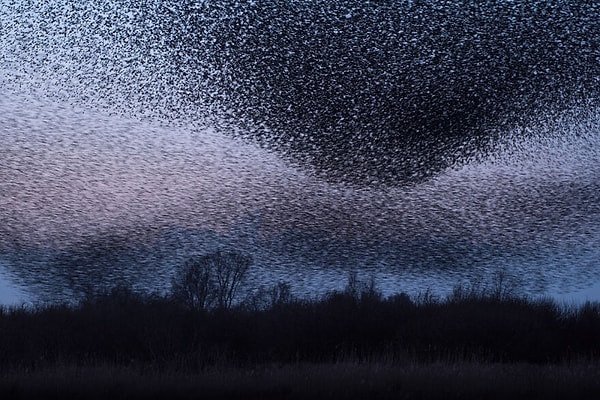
(71, 173)
(99, 135)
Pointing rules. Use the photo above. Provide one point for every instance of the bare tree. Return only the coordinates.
(230, 269)
(211, 280)
(194, 286)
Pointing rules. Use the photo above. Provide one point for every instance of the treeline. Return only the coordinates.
(124, 328)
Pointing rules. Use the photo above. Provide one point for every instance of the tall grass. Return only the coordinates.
(311, 381)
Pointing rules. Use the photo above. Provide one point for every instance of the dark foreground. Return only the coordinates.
(351, 344)
(312, 381)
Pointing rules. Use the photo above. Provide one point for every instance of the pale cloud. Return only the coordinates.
(70, 172)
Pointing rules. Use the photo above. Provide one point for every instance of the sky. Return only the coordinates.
(71, 173)
(65, 165)
(90, 146)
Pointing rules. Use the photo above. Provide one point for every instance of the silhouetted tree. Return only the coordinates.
(230, 269)
(211, 280)
(193, 286)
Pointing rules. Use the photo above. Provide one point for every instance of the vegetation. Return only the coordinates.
(271, 344)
